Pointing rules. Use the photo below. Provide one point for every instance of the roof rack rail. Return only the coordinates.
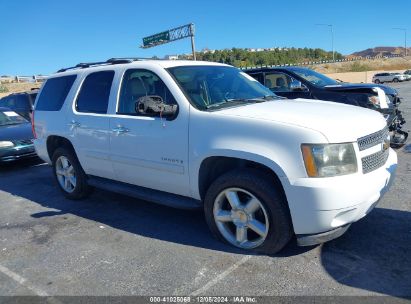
(107, 62)
(130, 59)
(82, 65)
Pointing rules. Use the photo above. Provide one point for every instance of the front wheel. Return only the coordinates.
(246, 210)
(377, 81)
(395, 79)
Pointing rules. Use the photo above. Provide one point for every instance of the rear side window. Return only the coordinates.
(23, 102)
(4, 102)
(54, 93)
(95, 93)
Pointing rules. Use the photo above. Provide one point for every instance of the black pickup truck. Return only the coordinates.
(297, 82)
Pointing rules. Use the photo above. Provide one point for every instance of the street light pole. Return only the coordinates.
(405, 38)
(193, 48)
(332, 36)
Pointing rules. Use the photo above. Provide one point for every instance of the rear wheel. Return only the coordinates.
(395, 80)
(69, 175)
(246, 210)
(377, 81)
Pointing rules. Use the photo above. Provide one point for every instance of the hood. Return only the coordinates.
(16, 132)
(366, 87)
(337, 122)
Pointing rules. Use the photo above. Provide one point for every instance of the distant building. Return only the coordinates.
(171, 57)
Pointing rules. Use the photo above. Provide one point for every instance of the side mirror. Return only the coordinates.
(155, 106)
(297, 86)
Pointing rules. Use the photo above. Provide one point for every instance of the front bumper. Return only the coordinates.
(314, 239)
(321, 205)
(16, 153)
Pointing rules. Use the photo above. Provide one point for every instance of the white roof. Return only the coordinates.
(163, 63)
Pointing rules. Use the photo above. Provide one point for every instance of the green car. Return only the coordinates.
(16, 137)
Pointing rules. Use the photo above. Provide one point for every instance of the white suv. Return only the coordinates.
(200, 134)
(388, 77)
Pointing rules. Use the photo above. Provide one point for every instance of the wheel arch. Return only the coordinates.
(55, 141)
(214, 166)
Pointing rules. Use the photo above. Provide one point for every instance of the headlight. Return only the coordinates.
(329, 159)
(375, 100)
(6, 144)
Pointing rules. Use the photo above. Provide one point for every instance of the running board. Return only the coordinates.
(146, 194)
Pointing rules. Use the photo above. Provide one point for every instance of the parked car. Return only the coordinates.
(388, 77)
(297, 82)
(21, 103)
(407, 74)
(16, 137)
(206, 135)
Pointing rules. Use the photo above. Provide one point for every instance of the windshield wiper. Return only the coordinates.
(235, 101)
(270, 97)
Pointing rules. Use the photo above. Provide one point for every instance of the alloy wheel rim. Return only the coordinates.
(66, 174)
(241, 218)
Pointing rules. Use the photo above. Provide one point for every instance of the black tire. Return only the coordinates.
(260, 185)
(82, 189)
(377, 81)
(395, 80)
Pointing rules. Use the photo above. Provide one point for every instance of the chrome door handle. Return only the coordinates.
(74, 124)
(120, 130)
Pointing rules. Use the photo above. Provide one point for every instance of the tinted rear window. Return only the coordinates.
(22, 102)
(54, 93)
(95, 93)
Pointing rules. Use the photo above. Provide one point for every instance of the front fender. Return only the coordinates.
(276, 146)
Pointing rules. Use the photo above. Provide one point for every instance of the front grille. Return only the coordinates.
(372, 139)
(374, 161)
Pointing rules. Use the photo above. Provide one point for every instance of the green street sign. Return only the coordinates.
(157, 38)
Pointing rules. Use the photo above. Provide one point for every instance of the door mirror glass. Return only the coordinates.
(155, 106)
(297, 86)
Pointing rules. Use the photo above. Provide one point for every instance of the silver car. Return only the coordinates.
(388, 77)
(407, 73)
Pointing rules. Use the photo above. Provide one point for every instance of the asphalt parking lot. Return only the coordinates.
(114, 245)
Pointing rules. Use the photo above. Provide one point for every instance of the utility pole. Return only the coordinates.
(332, 36)
(193, 47)
(405, 38)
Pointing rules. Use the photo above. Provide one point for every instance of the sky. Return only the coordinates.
(40, 37)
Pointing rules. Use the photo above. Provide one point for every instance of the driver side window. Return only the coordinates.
(278, 82)
(137, 83)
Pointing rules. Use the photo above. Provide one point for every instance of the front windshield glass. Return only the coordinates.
(10, 118)
(316, 78)
(211, 87)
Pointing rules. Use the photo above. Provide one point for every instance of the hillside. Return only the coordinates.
(246, 58)
(380, 51)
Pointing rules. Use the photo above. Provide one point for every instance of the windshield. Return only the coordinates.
(219, 86)
(10, 118)
(315, 78)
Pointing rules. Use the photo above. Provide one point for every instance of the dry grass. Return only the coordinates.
(384, 64)
(18, 87)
